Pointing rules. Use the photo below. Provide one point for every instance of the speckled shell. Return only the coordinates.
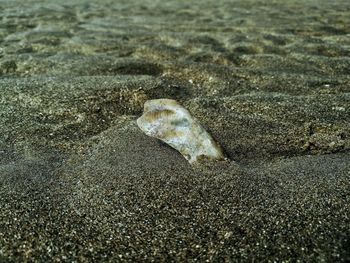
(168, 121)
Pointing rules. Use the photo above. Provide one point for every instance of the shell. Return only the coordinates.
(167, 120)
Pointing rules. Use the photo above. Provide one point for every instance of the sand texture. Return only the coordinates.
(80, 182)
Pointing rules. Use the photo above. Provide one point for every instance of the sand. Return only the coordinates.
(80, 182)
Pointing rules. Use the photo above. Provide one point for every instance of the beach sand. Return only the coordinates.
(80, 182)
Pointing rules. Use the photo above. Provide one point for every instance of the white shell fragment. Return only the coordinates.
(168, 121)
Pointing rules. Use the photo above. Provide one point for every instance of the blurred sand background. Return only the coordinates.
(79, 181)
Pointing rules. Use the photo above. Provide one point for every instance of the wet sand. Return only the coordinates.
(80, 182)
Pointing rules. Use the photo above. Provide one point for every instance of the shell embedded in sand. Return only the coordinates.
(168, 121)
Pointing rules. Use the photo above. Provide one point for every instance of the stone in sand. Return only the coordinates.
(168, 121)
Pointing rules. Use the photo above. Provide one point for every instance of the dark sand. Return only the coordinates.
(79, 182)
